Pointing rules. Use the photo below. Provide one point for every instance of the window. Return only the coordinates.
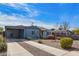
(48, 33)
(33, 32)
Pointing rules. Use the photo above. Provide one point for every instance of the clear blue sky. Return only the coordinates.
(46, 14)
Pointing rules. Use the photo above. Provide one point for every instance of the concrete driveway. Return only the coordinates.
(31, 48)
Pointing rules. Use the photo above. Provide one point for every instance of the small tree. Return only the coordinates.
(65, 25)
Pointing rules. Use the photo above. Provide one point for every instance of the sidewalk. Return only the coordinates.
(14, 49)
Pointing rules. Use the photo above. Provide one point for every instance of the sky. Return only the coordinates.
(48, 15)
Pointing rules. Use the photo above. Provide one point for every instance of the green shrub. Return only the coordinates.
(3, 47)
(66, 42)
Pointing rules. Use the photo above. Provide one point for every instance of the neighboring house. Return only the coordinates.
(62, 32)
(26, 32)
(67, 33)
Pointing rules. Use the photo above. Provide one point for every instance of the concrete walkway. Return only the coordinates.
(35, 51)
(14, 49)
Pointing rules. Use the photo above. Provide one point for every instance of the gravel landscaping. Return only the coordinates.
(56, 44)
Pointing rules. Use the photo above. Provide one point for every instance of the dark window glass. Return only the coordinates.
(33, 32)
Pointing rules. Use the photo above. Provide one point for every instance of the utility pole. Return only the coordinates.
(32, 23)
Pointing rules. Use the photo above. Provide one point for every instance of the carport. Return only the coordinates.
(14, 33)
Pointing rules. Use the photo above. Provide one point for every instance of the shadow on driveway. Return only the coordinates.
(16, 40)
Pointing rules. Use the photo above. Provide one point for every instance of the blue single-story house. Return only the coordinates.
(26, 32)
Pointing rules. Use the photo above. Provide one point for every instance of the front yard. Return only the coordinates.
(56, 44)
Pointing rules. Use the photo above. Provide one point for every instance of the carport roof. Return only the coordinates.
(15, 27)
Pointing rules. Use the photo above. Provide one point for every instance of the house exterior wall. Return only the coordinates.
(28, 33)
